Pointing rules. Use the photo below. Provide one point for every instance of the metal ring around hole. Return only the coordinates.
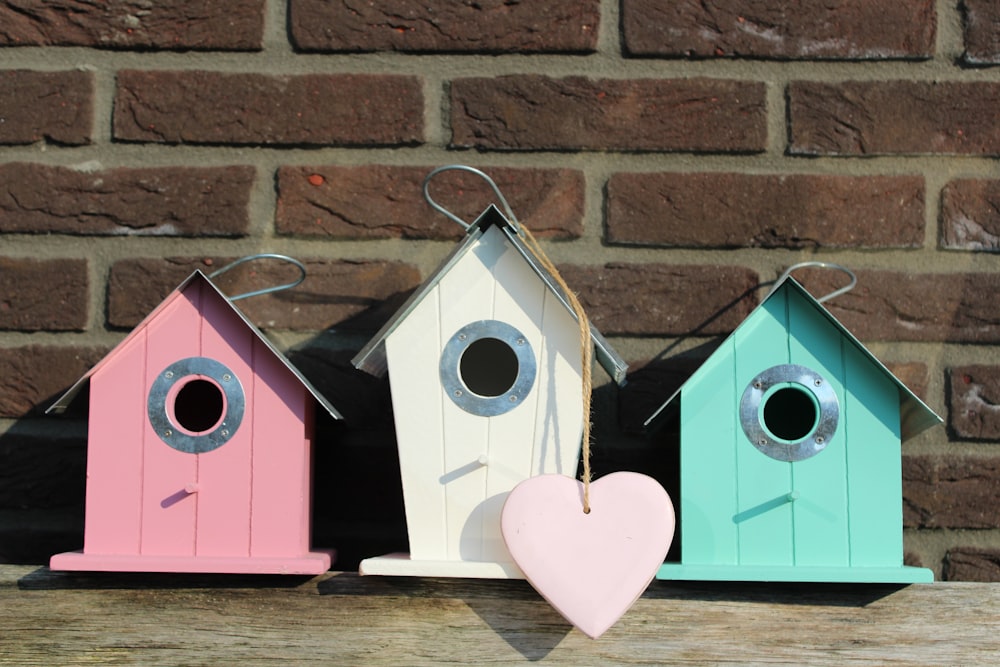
(803, 379)
(173, 435)
(455, 387)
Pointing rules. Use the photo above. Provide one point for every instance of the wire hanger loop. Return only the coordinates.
(472, 170)
(267, 290)
(822, 265)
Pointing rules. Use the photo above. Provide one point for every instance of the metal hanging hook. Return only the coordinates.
(472, 170)
(266, 290)
(822, 265)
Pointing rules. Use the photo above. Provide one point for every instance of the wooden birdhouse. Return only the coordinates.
(200, 447)
(485, 373)
(790, 461)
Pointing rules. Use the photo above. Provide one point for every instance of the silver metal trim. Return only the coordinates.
(170, 433)
(915, 416)
(63, 402)
(451, 376)
(758, 391)
(371, 358)
(607, 357)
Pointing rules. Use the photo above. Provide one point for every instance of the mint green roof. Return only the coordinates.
(915, 417)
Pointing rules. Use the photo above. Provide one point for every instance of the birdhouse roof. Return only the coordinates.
(915, 416)
(372, 358)
(60, 405)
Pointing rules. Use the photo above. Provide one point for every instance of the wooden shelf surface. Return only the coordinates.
(52, 618)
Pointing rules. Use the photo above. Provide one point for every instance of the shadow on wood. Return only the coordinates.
(44, 579)
(340, 618)
(779, 593)
(525, 620)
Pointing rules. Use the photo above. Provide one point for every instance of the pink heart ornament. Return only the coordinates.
(590, 567)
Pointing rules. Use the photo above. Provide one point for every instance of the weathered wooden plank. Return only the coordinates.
(51, 618)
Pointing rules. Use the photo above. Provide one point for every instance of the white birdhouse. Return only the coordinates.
(485, 371)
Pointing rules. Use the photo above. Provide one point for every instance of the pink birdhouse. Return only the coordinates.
(199, 452)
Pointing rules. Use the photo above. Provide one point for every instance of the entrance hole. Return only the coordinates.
(488, 367)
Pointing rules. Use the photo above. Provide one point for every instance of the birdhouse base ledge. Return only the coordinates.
(793, 573)
(401, 565)
(313, 562)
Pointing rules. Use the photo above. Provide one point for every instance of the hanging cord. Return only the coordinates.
(822, 265)
(586, 356)
(266, 290)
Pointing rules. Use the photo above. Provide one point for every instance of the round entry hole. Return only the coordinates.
(790, 414)
(488, 367)
(199, 406)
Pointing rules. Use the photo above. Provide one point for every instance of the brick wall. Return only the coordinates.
(672, 156)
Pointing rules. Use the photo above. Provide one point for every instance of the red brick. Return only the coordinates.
(488, 26)
(351, 295)
(970, 214)
(974, 402)
(533, 112)
(972, 564)
(981, 31)
(128, 24)
(199, 107)
(662, 299)
(377, 201)
(951, 492)
(890, 305)
(34, 376)
(53, 106)
(43, 294)
(729, 210)
(165, 201)
(912, 559)
(893, 117)
(913, 374)
(810, 29)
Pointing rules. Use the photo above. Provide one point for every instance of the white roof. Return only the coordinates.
(371, 358)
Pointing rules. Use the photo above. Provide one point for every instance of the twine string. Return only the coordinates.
(581, 317)
(585, 355)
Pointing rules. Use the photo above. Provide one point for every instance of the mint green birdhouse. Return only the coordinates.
(790, 458)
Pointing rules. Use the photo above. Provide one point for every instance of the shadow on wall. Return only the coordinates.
(357, 493)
